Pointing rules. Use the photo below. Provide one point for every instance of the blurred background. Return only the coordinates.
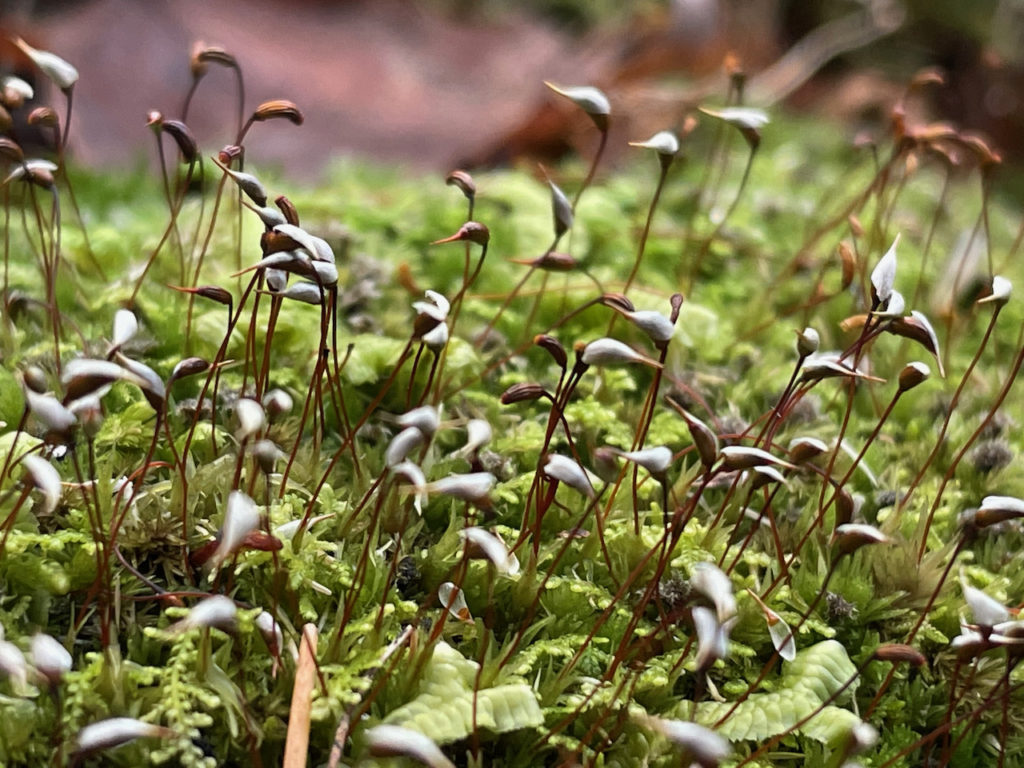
(435, 83)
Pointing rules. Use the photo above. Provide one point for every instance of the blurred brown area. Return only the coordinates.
(435, 84)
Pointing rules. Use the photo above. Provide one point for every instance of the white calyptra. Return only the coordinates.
(566, 470)
(437, 307)
(152, 385)
(49, 412)
(478, 434)
(561, 209)
(610, 352)
(655, 460)
(17, 85)
(807, 342)
(778, 630)
(454, 601)
(437, 337)
(472, 487)
(987, 611)
(700, 745)
(401, 445)
(270, 630)
(251, 418)
(29, 168)
(748, 118)
(304, 291)
(277, 402)
(217, 612)
(712, 582)
(397, 741)
(884, 274)
(416, 478)
(45, 478)
(63, 74)
(13, 664)
(425, 418)
(246, 182)
(116, 731)
(49, 657)
(240, 519)
(744, 457)
(493, 548)
(586, 97)
(657, 327)
(126, 325)
(1001, 290)
(1009, 505)
(317, 248)
(664, 143)
(712, 637)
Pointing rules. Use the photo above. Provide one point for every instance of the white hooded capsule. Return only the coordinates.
(493, 548)
(63, 74)
(126, 325)
(49, 412)
(402, 444)
(744, 457)
(610, 352)
(45, 478)
(471, 487)
(437, 307)
(425, 418)
(13, 664)
(478, 434)
(586, 97)
(397, 741)
(883, 276)
(665, 143)
(217, 612)
(1001, 290)
(49, 657)
(986, 611)
(712, 582)
(115, 731)
(454, 601)
(700, 745)
(251, 418)
(240, 519)
(416, 478)
(568, 471)
(657, 327)
(655, 460)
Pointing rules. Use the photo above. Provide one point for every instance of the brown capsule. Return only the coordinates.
(278, 108)
(849, 264)
(34, 379)
(190, 366)
(912, 375)
(212, 292)
(10, 151)
(273, 241)
(6, 122)
(845, 507)
(229, 154)
(11, 98)
(44, 116)
(900, 653)
(262, 541)
(472, 231)
(463, 181)
(928, 76)
(524, 391)
(553, 347)
(286, 206)
(676, 302)
(183, 138)
(552, 261)
(202, 55)
(617, 301)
